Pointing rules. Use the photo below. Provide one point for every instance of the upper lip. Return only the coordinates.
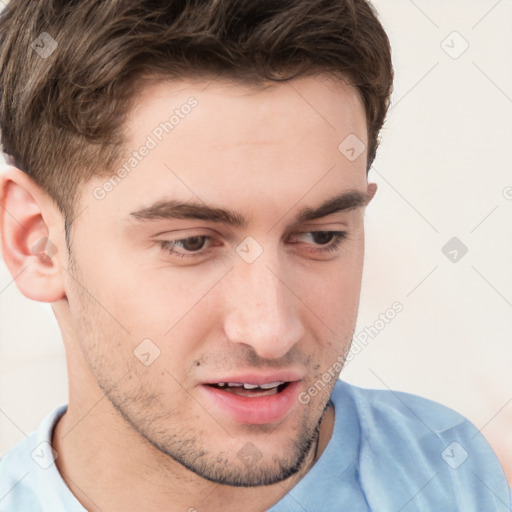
(258, 378)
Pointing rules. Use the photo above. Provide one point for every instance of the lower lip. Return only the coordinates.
(258, 410)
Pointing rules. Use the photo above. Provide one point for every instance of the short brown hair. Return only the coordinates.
(61, 117)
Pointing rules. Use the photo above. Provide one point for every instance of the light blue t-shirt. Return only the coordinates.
(389, 452)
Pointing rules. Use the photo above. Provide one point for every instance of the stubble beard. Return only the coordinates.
(187, 448)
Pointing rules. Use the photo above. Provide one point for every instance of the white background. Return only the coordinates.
(443, 169)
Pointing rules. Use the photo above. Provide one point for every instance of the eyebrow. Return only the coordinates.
(173, 209)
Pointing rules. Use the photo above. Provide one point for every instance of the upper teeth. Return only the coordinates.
(271, 385)
(251, 386)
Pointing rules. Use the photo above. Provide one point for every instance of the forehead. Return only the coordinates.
(317, 102)
(223, 142)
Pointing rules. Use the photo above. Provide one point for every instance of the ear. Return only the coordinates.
(371, 191)
(32, 236)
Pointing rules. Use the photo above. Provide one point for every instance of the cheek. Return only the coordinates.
(333, 286)
(168, 316)
(331, 299)
(104, 344)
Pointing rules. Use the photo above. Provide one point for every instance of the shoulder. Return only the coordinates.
(28, 468)
(398, 409)
(409, 443)
(15, 480)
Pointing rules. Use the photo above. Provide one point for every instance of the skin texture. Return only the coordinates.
(145, 437)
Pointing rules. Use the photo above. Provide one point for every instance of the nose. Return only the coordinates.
(262, 310)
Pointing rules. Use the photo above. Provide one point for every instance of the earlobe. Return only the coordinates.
(30, 237)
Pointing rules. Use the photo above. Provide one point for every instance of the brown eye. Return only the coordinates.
(183, 247)
(323, 237)
(194, 243)
(319, 241)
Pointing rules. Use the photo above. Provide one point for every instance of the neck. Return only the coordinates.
(120, 471)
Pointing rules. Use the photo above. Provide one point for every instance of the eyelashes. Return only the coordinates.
(324, 242)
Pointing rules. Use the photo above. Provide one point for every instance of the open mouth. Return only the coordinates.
(251, 390)
(254, 401)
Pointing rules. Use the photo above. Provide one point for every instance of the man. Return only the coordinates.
(187, 189)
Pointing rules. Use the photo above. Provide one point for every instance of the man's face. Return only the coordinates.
(173, 302)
